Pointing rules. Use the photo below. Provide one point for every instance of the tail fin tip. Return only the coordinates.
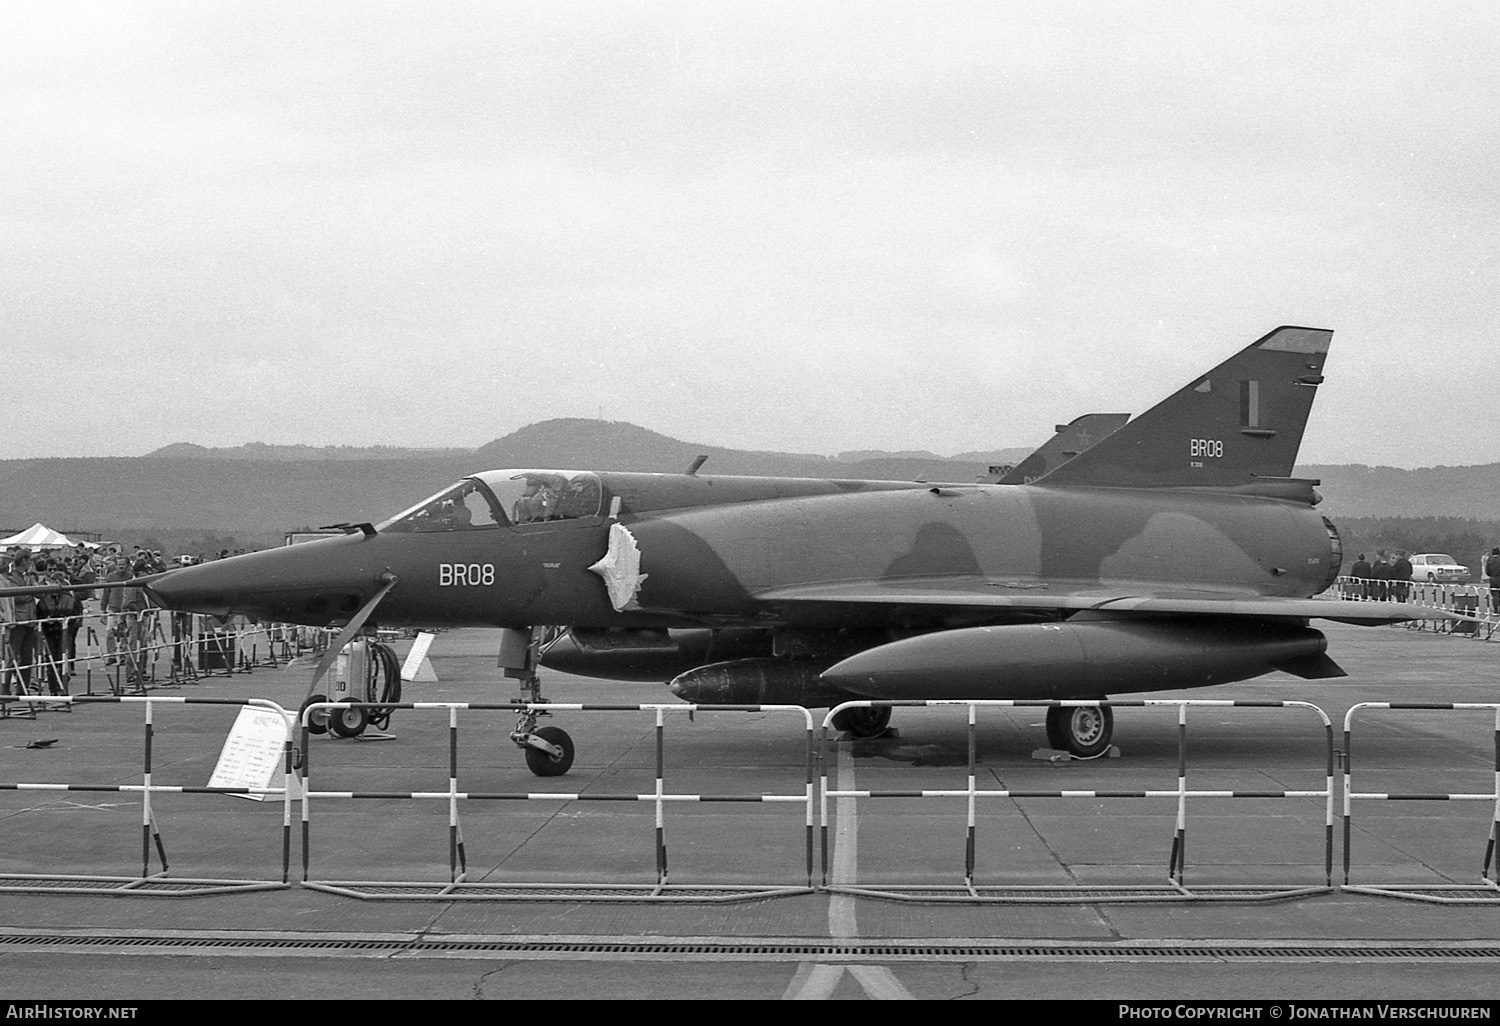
(1290, 338)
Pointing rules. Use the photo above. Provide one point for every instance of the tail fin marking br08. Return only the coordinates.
(1241, 421)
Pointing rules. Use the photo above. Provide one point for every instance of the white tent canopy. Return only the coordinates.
(39, 536)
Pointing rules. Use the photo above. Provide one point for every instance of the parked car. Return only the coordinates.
(1437, 567)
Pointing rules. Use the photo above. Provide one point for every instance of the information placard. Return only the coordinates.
(254, 753)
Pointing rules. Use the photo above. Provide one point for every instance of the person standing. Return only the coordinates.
(7, 617)
(22, 629)
(56, 610)
(132, 628)
(113, 603)
(81, 574)
(1492, 568)
(1360, 571)
(1401, 577)
(1380, 576)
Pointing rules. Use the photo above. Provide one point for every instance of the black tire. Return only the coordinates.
(319, 722)
(544, 765)
(864, 722)
(348, 722)
(1080, 730)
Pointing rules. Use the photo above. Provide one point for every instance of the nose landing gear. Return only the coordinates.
(548, 750)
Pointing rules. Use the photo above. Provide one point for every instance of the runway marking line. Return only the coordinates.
(817, 981)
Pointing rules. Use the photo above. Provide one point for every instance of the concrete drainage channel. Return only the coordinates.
(722, 949)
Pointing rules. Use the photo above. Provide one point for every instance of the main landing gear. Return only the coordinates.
(1083, 731)
(548, 750)
(864, 723)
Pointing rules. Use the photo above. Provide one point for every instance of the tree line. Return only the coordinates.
(1463, 538)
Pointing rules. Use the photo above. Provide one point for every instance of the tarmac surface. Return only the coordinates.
(1091, 856)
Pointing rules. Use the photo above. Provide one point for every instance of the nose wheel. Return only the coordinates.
(548, 750)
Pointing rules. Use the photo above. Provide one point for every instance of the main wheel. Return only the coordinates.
(544, 764)
(318, 722)
(864, 722)
(1081, 730)
(348, 722)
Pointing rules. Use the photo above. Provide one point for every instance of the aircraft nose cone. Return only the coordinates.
(313, 583)
(205, 588)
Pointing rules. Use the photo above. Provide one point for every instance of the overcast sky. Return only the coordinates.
(808, 227)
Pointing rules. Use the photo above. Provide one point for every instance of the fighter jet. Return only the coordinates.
(1176, 552)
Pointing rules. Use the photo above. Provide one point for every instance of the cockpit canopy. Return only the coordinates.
(504, 498)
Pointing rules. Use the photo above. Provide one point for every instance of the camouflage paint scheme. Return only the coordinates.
(1175, 552)
(1070, 439)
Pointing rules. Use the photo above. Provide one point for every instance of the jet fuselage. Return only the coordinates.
(714, 565)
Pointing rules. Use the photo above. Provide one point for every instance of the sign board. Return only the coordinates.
(254, 753)
(418, 667)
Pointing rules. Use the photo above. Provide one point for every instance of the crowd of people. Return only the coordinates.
(1386, 579)
(1389, 577)
(39, 643)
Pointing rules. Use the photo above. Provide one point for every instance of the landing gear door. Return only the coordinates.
(517, 653)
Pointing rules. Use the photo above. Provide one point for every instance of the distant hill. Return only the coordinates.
(575, 442)
(270, 489)
(262, 451)
(617, 445)
(1359, 491)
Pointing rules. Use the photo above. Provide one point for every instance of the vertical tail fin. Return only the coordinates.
(1071, 439)
(1241, 421)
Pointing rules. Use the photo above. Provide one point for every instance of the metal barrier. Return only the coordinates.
(1476, 616)
(971, 889)
(1175, 889)
(236, 646)
(1463, 599)
(458, 886)
(147, 882)
(37, 654)
(138, 652)
(1487, 890)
